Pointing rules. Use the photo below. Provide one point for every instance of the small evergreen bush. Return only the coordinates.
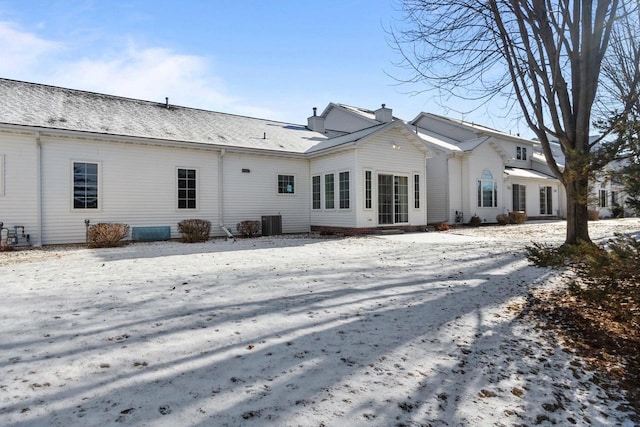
(106, 235)
(617, 211)
(194, 230)
(475, 221)
(248, 228)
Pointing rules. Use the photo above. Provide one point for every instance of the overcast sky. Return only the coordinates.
(272, 59)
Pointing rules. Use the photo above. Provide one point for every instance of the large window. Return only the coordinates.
(546, 205)
(393, 199)
(487, 191)
(329, 202)
(519, 197)
(343, 186)
(401, 198)
(186, 188)
(315, 192)
(416, 191)
(367, 189)
(85, 185)
(285, 184)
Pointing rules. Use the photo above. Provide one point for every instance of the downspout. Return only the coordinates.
(38, 242)
(221, 194)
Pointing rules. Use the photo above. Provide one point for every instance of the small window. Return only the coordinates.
(416, 191)
(85, 185)
(285, 184)
(315, 191)
(521, 153)
(329, 202)
(343, 183)
(367, 189)
(186, 188)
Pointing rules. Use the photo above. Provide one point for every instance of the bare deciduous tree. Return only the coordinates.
(544, 55)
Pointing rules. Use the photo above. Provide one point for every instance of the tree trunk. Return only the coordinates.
(577, 208)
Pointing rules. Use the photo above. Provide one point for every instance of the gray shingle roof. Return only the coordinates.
(42, 106)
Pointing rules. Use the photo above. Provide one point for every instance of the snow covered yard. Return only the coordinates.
(413, 329)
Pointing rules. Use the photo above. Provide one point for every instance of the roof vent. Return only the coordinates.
(166, 102)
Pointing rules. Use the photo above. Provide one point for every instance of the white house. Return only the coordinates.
(486, 173)
(69, 156)
(605, 193)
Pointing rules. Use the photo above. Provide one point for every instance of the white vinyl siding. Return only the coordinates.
(148, 200)
(250, 196)
(1, 174)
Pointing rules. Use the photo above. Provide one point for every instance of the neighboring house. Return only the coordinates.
(479, 171)
(67, 156)
(605, 193)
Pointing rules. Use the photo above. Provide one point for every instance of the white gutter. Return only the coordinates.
(38, 242)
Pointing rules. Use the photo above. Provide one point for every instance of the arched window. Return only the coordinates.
(487, 190)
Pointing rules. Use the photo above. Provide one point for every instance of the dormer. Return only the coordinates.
(316, 122)
(384, 114)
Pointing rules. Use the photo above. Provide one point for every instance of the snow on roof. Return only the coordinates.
(470, 144)
(369, 114)
(438, 140)
(42, 106)
(526, 173)
(345, 139)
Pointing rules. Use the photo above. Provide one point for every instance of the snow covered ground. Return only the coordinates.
(407, 330)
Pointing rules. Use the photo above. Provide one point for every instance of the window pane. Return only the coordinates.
(416, 191)
(385, 199)
(315, 190)
(328, 192)
(85, 185)
(367, 189)
(187, 189)
(285, 184)
(344, 190)
(401, 199)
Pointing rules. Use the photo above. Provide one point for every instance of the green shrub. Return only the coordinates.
(249, 228)
(475, 221)
(106, 235)
(194, 230)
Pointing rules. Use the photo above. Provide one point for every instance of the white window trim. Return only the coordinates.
(295, 184)
(413, 194)
(71, 185)
(175, 186)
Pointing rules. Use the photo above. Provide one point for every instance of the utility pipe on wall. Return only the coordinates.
(38, 242)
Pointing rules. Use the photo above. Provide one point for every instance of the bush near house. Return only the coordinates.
(194, 230)
(517, 217)
(249, 228)
(475, 221)
(593, 215)
(617, 211)
(106, 235)
(502, 219)
(442, 226)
